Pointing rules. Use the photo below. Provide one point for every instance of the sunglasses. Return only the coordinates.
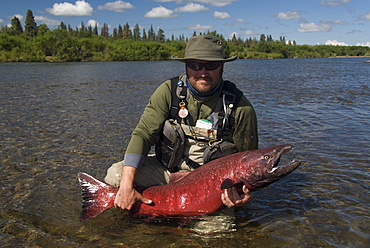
(198, 66)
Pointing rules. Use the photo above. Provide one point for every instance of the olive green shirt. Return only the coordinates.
(147, 132)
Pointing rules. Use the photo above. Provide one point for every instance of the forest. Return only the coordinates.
(38, 43)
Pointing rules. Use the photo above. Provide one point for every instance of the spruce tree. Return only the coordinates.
(62, 25)
(151, 34)
(144, 35)
(160, 35)
(16, 26)
(137, 32)
(127, 34)
(105, 31)
(30, 29)
(120, 32)
(95, 30)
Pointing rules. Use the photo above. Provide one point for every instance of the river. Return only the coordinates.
(57, 119)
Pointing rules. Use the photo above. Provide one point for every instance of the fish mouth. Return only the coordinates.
(274, 170)
(278, 171)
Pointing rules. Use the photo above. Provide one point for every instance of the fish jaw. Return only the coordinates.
(265, 168)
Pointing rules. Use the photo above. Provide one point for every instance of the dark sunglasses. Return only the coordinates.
(198, 66)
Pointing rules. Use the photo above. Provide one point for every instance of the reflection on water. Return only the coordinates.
(59, 119)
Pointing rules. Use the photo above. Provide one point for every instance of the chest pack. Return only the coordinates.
(170, 148)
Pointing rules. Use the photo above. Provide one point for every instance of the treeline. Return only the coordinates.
(35, 43)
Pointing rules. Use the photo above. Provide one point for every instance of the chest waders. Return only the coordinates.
(170, 150)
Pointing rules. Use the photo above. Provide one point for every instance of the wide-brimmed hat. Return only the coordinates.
(204, 47)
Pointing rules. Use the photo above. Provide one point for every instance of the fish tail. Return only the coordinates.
(97, 196)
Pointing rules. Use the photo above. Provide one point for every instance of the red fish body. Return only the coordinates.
(200, 191)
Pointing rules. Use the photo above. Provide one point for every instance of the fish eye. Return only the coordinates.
(266, 157)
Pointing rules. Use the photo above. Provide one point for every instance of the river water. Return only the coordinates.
(62, 118)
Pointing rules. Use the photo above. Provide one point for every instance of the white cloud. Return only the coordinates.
(46, 20)
(20, 17)
(335, 2)
(1, 20)
(200, 28)
(80, 8)
(117, 6)
(221, 15)
(217, 3)
(191, 7)
(364, 44)
(160, 12)
(335, 42)
(240, 20)
(312, 27)
(92, 23)
(365, 17)
(290, 15)
(250, 33)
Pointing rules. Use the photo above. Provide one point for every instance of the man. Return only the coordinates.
(204, 93)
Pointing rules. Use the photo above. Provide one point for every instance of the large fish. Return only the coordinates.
(197, 193)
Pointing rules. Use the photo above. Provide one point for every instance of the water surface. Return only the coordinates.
(59, 119)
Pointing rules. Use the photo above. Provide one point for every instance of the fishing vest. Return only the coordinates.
(186, 147)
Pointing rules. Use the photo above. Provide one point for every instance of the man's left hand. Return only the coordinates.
(231, 197)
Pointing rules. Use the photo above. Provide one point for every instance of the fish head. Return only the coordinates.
(260, 168)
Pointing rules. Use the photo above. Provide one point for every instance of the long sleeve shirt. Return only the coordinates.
(147, 133)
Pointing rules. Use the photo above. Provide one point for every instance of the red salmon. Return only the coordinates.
(197, 193)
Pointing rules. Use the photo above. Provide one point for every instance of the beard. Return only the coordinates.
(204, 87)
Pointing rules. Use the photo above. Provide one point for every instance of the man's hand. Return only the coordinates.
(231, 197)
(127, 196)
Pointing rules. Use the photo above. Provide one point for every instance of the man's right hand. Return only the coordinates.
(127, 196)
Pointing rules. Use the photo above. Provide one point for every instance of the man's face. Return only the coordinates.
(204, 80)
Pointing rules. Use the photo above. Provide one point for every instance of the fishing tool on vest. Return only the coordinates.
(183, 112)
(170, 148)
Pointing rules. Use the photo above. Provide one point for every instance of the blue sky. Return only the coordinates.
(342, 22)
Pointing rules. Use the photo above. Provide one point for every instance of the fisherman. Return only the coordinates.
(190, 119)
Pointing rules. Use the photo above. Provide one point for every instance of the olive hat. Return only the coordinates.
(204, 47)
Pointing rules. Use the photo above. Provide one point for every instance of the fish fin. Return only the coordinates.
(97, 196)
(177, 176)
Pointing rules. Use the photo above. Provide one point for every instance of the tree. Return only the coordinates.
(42, 29)
(62, 25)
(95, 30)
(82, 28)
(160, 35)
(115, 33)
(144, 35)
(30, 29)
(282, 39)
(151, 34)
(16, 26)
(137, 32)
(262, 38)
(120, 32)
(127, 34)
(105, 31)
(234, 41)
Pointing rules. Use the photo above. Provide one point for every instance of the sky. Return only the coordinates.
(338, 22)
